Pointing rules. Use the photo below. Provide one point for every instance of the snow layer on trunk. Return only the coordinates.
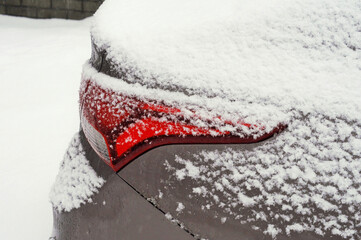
(257, 60)
(76, 181)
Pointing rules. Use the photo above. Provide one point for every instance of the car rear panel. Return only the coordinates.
(117, 212)
(149, 174)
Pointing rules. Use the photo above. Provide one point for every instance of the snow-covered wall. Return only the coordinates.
(68, 9)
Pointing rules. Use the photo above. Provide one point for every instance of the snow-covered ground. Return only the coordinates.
(40, 67)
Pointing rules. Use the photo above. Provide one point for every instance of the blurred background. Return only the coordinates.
(67, 9)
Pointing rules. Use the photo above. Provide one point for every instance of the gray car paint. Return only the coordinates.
(149, 176)
(117, 212)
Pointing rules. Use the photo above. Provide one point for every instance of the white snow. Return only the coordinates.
(160, 195)
(168, 216)
(200, 190)
(180, 207)
(40, 70)
(189, 170)
(295, 228)
(271, 230)
(265, 62)
(76, 181)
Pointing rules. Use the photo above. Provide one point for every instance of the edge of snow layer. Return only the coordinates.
(76, 181)
(208, 109)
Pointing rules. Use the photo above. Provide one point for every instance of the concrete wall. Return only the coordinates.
(68, 9)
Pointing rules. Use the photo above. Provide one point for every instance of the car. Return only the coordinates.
(216, 120)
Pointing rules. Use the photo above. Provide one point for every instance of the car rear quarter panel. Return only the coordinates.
(117, 212)
(149, 175)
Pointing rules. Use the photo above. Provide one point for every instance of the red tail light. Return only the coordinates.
(120, 128)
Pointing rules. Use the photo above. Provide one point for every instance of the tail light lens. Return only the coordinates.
(120, 128)
(96, 140)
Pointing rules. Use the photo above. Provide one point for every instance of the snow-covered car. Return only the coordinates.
(213, 119)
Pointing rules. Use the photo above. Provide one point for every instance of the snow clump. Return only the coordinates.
(76, 181)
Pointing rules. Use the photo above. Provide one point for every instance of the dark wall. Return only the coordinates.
(68, 9)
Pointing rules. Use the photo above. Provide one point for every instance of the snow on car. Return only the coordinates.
(241, 70)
